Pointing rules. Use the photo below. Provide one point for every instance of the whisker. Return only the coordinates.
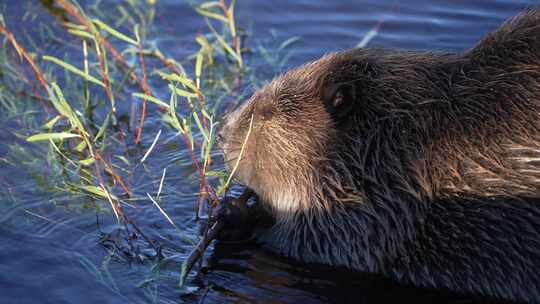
(232, 151)
(237, 162)
(233, 141)
(233, 159)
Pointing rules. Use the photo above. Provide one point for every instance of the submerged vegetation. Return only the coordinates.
(86, 119)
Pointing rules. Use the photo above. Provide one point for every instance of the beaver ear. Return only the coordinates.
(339, 98)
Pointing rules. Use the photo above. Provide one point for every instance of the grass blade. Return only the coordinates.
(211, 15)
(198, 68)
(51, 136)
(182, 79)
(151, 147)
(223, 43)
(183, 93)
(99, 191)
(203, 131)
(88, 161)
(114, 32)
(52, 122)
(73, 69)
(151, 98)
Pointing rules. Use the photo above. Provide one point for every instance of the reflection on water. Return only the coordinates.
(57, 253)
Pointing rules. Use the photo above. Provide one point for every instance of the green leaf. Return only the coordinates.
(224, 44)
(114, 32)
(88, 161)
(62, 108)
(205, 114)
(210, 4)
(122, 158)
(61, 105)
(232, 24)
(187, 126)
(203, 131)
(151, 98)
(81, 34)
(206, 48)
(183, 93)
(211, 15)
(52, 122)
(203, 42)
(97, 191)
(51, 136)
(103, 127)
(198, 67)
(209, 145)
(81, 146)
(71, 25)
(172, 117)
(182, 79)
(73, 69)
(219, 174)
(288, 42)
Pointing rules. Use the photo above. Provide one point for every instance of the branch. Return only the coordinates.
(24, 54)
(211, 234)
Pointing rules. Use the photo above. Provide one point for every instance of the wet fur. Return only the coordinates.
(432, 177)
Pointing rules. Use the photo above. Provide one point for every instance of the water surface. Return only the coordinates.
(50, 242)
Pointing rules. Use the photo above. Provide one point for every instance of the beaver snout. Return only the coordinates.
(223, 144)
(224, 132)
(220, 138)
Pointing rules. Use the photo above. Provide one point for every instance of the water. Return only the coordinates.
(52, 249)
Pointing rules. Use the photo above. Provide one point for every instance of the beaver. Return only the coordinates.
(420, 166)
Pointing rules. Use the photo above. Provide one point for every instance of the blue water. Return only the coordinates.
(47, 244)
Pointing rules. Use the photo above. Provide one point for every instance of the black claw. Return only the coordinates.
(236, 216)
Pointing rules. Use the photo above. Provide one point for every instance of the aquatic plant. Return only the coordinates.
(85, 137)
(89, 120)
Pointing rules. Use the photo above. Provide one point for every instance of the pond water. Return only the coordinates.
(53, 250)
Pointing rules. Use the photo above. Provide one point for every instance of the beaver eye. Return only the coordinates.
(266, 113)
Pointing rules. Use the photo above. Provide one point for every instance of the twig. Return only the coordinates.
(111, 171)
(74, 12)
(197, 253)
(146, 88)
(24, 54)
(102, 57)
(212, 233)
(167, 62)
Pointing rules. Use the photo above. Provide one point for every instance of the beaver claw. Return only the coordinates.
(236, 216)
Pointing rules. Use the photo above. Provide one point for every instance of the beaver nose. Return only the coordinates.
(220, 138)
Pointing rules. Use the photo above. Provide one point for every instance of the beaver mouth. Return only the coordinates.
(232, 163)
(229, 156)
(222, 148)
(228, 160)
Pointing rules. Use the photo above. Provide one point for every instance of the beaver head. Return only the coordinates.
(294, 122)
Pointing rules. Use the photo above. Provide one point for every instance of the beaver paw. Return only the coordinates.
(236, 216)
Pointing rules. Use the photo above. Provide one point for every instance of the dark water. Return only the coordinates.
(52, 250)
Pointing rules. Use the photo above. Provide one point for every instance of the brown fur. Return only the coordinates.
(429, 172)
